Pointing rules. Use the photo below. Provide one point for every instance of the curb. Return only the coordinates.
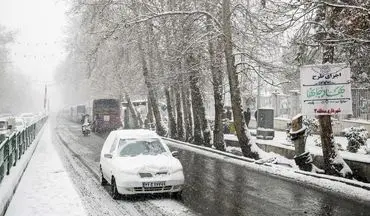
(321, 176)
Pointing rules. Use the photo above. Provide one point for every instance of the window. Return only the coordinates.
(134, 147)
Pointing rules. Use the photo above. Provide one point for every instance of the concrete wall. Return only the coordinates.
(360, 170)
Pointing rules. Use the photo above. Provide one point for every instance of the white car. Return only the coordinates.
(138, 161)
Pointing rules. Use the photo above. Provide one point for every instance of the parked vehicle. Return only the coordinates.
(106, 115)
(138, 161)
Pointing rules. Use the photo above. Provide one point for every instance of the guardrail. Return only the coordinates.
(13, 147)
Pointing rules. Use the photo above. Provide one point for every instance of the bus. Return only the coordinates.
(106, 114)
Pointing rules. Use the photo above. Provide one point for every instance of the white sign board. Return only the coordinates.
(326, 89)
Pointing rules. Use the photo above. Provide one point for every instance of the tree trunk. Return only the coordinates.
(202, 134)
(216, 58)
(160, 128)
(241, 130)
(195, 101)
(206, 130)
(171, 117)
(138, 122)
(333, 162)
(149, 116)
(180, 122)
(188, 119)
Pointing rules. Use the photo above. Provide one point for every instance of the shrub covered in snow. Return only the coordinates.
(312, 125)
(357, 137)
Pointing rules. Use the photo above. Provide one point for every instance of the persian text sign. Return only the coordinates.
(326, 89)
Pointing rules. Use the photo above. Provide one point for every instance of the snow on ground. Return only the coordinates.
(45, 188)
(170, 207)
(268, 157)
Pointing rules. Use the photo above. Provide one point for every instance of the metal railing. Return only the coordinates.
(15, 145)
(361, 103)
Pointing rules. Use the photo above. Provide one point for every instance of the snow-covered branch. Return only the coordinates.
(260, 75)
(172, 13)
(344, 6)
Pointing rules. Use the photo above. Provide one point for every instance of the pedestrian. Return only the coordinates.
(247, 116)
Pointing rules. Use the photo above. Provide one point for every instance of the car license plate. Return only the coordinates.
(154, 184)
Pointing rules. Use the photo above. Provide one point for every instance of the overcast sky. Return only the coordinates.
(40, 26)
(38, 46)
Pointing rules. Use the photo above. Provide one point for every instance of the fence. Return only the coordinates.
(14, 146)
(361, 103)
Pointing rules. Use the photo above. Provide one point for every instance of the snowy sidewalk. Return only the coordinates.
(45, 188)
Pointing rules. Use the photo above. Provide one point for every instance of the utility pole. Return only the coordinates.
(45, 96)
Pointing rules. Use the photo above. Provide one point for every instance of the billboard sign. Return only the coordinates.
(326, 89)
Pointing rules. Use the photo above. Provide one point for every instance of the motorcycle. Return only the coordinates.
(86, 129)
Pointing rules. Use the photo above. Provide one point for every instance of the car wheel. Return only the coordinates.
(114, 191)
(103, 181)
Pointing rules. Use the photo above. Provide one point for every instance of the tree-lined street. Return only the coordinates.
(203, 75)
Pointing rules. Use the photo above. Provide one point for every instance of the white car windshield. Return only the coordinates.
(134, 147)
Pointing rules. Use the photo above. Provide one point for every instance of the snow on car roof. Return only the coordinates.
(135, 133)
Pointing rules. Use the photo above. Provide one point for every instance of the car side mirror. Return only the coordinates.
(108, 156)
(10, 127)
(175, 154)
